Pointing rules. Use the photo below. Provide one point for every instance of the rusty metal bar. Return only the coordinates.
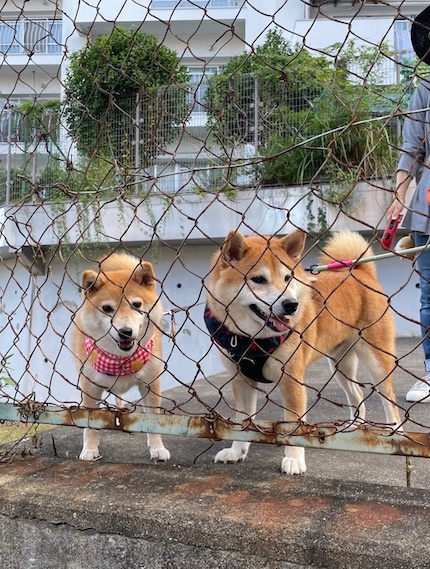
(361, 439)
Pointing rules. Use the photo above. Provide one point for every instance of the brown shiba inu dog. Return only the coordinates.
(272, 320)
(116, 340)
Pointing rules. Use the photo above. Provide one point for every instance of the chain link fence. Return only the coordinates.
(155, 130)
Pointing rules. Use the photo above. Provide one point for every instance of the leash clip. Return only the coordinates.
(313, 270)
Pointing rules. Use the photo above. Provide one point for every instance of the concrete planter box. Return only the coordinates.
(189, 217)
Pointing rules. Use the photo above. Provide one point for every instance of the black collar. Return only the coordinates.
(250, 354)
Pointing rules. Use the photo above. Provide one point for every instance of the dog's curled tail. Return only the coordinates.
(118, 262)
(346, 245)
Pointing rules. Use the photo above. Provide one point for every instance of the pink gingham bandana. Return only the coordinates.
(110, 364)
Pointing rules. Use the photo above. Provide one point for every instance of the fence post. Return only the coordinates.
(137, 141)
(256, 114)
(9, 152)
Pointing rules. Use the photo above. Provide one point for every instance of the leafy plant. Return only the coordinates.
(40, 116)
(5, 377)
(310, 119)
(125, 78)
(260, 87)
(54, 182)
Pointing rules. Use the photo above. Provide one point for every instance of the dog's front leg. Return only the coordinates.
(91, 395)
(246, 405)
(152, 404)
(90, 449)
(294, 398)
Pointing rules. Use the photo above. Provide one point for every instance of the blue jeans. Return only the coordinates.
(423, 267)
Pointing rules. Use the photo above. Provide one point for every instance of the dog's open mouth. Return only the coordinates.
(125, 345)
(276, 323)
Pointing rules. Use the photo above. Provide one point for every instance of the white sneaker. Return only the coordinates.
(420, 391)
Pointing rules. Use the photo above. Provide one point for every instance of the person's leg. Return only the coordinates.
(423, 268)
(421, 390)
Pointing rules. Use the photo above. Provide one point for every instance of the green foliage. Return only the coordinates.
(38, 118)
(35, 111)
(412, 72)
(55, 183)
(280, 77)
(5, 378)
(121, 76)
(316, 121)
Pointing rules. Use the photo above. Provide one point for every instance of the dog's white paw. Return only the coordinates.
(159, 453)
(294, 461)
(291, 466)
(90, 454)
(230, 455)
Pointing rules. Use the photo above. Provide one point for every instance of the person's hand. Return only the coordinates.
(403, 179)
(395, 209)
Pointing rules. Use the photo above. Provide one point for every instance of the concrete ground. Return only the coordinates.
(349, 510)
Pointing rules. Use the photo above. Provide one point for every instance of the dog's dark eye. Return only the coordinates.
(107, 308)
(287, 278)
(259, 279)
(137, 305)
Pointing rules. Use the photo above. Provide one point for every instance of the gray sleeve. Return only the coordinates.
(415, 131)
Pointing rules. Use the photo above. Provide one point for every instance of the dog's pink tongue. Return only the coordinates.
(126, 344)
(280, 325)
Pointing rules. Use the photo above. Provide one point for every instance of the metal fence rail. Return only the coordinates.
(279, 433)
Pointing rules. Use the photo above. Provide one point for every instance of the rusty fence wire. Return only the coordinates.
(154, 129)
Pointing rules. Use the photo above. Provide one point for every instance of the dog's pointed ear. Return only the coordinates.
(233, 248)
(92, 281)
(144, 274)
(294, 243)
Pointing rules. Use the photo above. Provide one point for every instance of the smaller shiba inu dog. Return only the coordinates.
(116, 340)
(271, 320)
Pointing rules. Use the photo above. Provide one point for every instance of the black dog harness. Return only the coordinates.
(249, 354)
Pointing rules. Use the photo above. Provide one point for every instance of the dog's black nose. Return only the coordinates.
(125, 332)
(289, 306)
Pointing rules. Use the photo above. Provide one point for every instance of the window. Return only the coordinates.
(54, 39)
(11, 37)
(199, 79)
(402, 40)
(30, 36)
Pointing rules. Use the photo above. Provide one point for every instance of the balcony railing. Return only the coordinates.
(196, 4)
(30, 37)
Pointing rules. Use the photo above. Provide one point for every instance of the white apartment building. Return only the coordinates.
(39, 281)
(37, 35)
(36, 38)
